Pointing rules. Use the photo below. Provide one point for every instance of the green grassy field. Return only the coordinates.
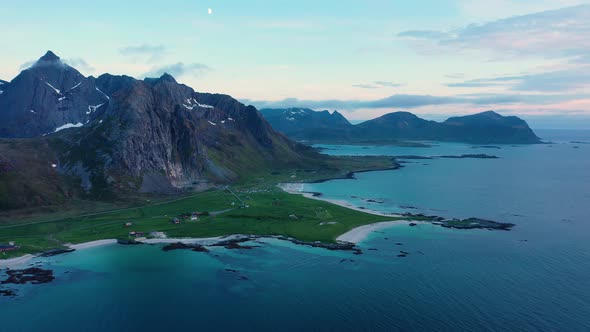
(269, 212)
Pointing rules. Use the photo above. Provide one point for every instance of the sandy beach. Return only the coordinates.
(92, 244)
(202, 241)
(358, 234)
(18, 261)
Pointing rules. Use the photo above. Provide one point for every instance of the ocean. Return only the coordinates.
(535, 277)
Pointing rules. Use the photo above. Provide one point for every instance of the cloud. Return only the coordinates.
(77, 63)
(179, 69)
(558, 33)
(27, 64)
(562, 80)
(377, 85)
(364, 86)
(402, 101)
(153, 52)
(554, 81)
(80, 64)
(388, 84)
(485, 82)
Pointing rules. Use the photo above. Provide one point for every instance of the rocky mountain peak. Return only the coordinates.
(490, 114)
(167, 78)
(48, 59)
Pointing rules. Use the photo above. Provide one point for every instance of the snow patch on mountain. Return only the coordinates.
(75, 86)
(104, 94)
(93, 108)
(192, 103)
(68, 125)
(54, 88)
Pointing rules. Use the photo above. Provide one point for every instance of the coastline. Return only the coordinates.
(359, 234)
(17, 261)
(353, 236)
(205, 241)
(92, 244)
(350, 175)
(297, 189)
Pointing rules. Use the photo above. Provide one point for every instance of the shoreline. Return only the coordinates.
(350, 175)
(291, 189)
(17, 261)
(205, 241)
(92, 244)
(352, 237)
(361, 233)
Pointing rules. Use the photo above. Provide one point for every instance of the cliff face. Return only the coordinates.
(158, 126)
(120, 135)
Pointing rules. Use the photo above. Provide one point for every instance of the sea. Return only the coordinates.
(535, 277)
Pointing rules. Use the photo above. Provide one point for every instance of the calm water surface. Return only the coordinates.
(533, 278)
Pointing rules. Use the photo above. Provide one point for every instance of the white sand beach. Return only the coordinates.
(15, 262)
(358, 234)
(92, 244)
(206, 241)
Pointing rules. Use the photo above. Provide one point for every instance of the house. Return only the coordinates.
(293, 217)
(136, 234)
(175, 221)
(8, 247)
(195, 216)
(128, 224)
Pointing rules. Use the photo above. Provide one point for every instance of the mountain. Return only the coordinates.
(482, 128)
(487, 127)
(113, 136)
(48, 96)
(306, 124)
(396, 126)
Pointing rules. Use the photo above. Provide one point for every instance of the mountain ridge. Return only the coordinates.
(121, 136)
(480, 128)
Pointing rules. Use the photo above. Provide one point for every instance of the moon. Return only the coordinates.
(210, 11)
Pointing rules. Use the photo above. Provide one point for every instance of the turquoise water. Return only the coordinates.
(452, 280)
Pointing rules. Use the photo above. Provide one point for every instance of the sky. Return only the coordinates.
(364, 58)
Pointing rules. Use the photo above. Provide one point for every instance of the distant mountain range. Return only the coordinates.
(482, 128)
(306, 124)
(67, 135)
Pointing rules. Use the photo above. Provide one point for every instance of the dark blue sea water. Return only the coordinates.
(533, 278)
